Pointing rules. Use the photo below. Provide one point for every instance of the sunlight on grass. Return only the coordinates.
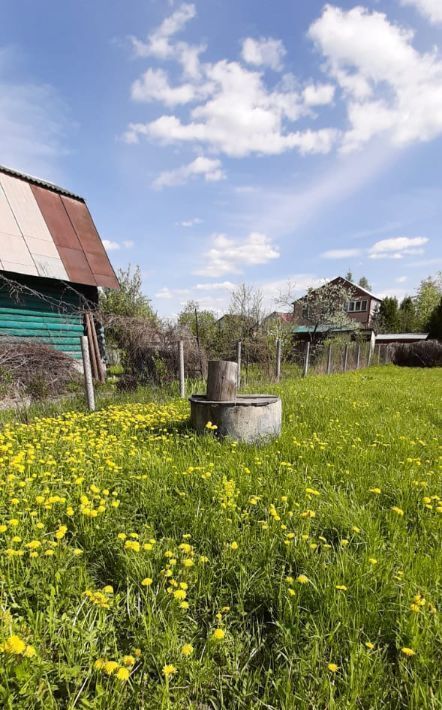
(143, 566)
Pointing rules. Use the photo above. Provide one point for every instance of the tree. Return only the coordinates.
(434, 323)
(201, 323)
(388, 316)
(129, 299)
(407, 316)
(427, 298)
(246, 301)
(364, 283)
(349, 276)
(325, 307)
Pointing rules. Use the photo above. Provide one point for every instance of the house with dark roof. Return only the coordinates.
(360, 309)
(52, 262)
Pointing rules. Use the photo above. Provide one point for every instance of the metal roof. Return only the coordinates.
(402, 336)
(342, 278)
(38, 181)
(324, 328)
(47, 231)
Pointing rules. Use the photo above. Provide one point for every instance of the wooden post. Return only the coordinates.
(306, 359)
(278, 360)
(379, 353)
(329, 359)
(358, 356)
(345, 357)
(238, 361)
(181, 359)
(89, 386)
(222, 378)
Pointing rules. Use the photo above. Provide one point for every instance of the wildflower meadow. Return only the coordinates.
(143, 566)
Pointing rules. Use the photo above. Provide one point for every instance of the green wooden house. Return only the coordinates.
(52, 262)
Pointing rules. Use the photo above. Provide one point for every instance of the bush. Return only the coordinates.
(426, 353)
(35, 370)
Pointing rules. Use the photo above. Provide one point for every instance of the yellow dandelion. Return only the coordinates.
(187, 649)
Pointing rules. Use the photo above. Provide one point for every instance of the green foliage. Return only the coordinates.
(407, 316)
(427, 298)
(201, 323)
(388, 316)
(337, 557)
(129, 299)
(434, 323)
(364, 283)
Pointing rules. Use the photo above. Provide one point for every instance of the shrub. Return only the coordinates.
(34, 369)
(426, 353)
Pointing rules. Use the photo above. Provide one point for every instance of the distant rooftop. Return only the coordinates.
(402, 336)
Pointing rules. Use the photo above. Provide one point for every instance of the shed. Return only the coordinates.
(52, 262)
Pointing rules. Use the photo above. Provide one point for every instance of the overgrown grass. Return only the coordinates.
(315, 558)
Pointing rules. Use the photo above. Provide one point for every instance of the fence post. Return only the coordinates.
(89, 386)
(358, 356)
(345, 357)
(329, 360)
(278, 359)
(306, 359)
(182, 380)
(238, 360)
(379, 353)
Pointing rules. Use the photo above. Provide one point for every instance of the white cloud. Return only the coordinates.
(110, 245)
(431, 9)
(189, 222)
(340, 253)
(229, 256)
(318, 94)
(220, 286)
(397, 247)
(209, 168)
(401, 279)
(268, 52)
(154, 85)
(167, 293)
(390, 87)
(159, 45)
(237, 113)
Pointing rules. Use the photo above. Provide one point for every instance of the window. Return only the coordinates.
(356, 306)
(305, 310)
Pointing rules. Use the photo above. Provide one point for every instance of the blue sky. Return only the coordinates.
(218, 142)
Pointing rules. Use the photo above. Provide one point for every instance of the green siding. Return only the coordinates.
(33, 318)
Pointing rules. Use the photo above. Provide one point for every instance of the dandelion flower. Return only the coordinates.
(187, 649)
(128, 661)
(369, 645)
(376, 491)
(302, 579)
(333, 667)
(146, 582)
(122, 675)
(169, 670)
(408, 651)
(341, 587)
(14, 645)
(397, 510)
(218, 634)
(110, 667)
(234, 545)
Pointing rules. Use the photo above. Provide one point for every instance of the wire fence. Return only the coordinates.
(279, 364)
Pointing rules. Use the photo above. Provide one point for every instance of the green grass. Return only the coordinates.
(301, 505)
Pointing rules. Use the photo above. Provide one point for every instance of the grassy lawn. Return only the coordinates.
(142, 566)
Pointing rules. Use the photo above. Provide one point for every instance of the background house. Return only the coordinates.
(356, 313)
(52, 262)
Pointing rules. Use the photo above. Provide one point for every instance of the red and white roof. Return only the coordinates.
(47, 231)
